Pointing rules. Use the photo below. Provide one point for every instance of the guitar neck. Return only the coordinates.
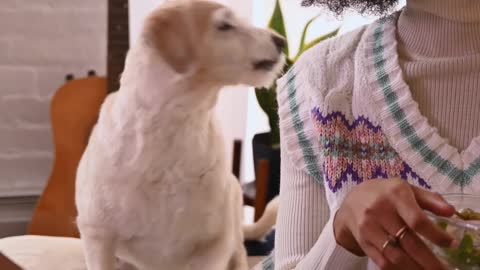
(118, 42)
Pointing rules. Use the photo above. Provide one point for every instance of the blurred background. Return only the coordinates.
(43, 41)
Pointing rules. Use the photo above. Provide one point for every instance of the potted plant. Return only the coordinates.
(267, 145)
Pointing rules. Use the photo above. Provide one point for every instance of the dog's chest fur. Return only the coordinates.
(161, 185)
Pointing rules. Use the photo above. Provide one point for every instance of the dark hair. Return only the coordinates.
(375, 7)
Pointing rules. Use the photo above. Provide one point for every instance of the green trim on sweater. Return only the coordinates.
(445, 167)
(309, 155)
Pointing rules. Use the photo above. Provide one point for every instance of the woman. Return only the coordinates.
(363, 119)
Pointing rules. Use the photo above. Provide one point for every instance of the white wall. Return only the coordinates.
(137, 12)
(40, 42)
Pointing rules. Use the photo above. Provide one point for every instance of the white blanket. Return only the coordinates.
(44, 253)
(32, 252)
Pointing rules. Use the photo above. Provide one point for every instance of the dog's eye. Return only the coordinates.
(224, 26)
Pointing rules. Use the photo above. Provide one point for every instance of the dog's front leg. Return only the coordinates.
(99, 248)
(239, 259)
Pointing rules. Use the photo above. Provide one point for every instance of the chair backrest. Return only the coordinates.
(237, 158)
(262, 187)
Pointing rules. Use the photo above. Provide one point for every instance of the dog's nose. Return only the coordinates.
(279, 42)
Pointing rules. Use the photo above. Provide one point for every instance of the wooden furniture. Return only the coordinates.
(237, 158)
(74, 111)
(255, 193)
(7, 264)
(261, 184)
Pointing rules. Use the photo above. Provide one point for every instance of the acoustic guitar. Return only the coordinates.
(74, 111)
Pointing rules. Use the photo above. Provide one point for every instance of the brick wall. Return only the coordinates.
(40, 42)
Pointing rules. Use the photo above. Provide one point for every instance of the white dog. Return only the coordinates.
(153, 187)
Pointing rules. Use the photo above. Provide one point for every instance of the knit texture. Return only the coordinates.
(349, 113)
(442, 78)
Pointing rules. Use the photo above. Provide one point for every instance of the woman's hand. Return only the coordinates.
(377, 210)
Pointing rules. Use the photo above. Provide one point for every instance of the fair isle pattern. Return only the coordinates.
(458, 176)
(357, 152)
(309, 155)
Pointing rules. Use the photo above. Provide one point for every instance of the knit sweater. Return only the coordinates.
(348, 114)
(439, 50)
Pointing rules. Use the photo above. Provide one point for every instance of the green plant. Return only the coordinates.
(267, 97)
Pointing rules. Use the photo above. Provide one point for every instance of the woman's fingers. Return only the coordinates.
(377, 257)
(372, 239)
(372, 230)
(376, 210)
(394, 254)
(413, 246)
(409, 210)
(393, 224)
(433, 202)
(417, 250)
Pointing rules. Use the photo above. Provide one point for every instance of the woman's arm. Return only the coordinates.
(304, 234)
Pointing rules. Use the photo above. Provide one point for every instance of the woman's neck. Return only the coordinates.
(440, 28)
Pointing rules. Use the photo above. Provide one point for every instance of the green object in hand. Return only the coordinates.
(466, 254)
(468, 214)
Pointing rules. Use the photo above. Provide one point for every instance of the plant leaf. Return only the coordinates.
(304, 33)
(267, 99)
(316, 41)
(277, 23)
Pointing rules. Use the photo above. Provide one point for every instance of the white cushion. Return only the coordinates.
(44, 253)
(32, 252)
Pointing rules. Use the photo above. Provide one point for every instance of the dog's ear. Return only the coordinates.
(171, 33)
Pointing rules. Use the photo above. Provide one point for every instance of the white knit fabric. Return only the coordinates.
(304, 235)
(342, 75)
(439, 54)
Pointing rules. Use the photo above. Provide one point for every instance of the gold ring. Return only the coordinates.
(401, 233)
(390, 241)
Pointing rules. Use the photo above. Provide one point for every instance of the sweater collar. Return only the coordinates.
(466, 11)
(417, 142)
(440, 28)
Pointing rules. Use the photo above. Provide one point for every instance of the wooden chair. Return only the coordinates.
(255, 193)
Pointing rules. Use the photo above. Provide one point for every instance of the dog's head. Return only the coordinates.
(207, 40)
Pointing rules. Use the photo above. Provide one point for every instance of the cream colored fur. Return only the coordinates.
(260, 229)
(153, 187)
